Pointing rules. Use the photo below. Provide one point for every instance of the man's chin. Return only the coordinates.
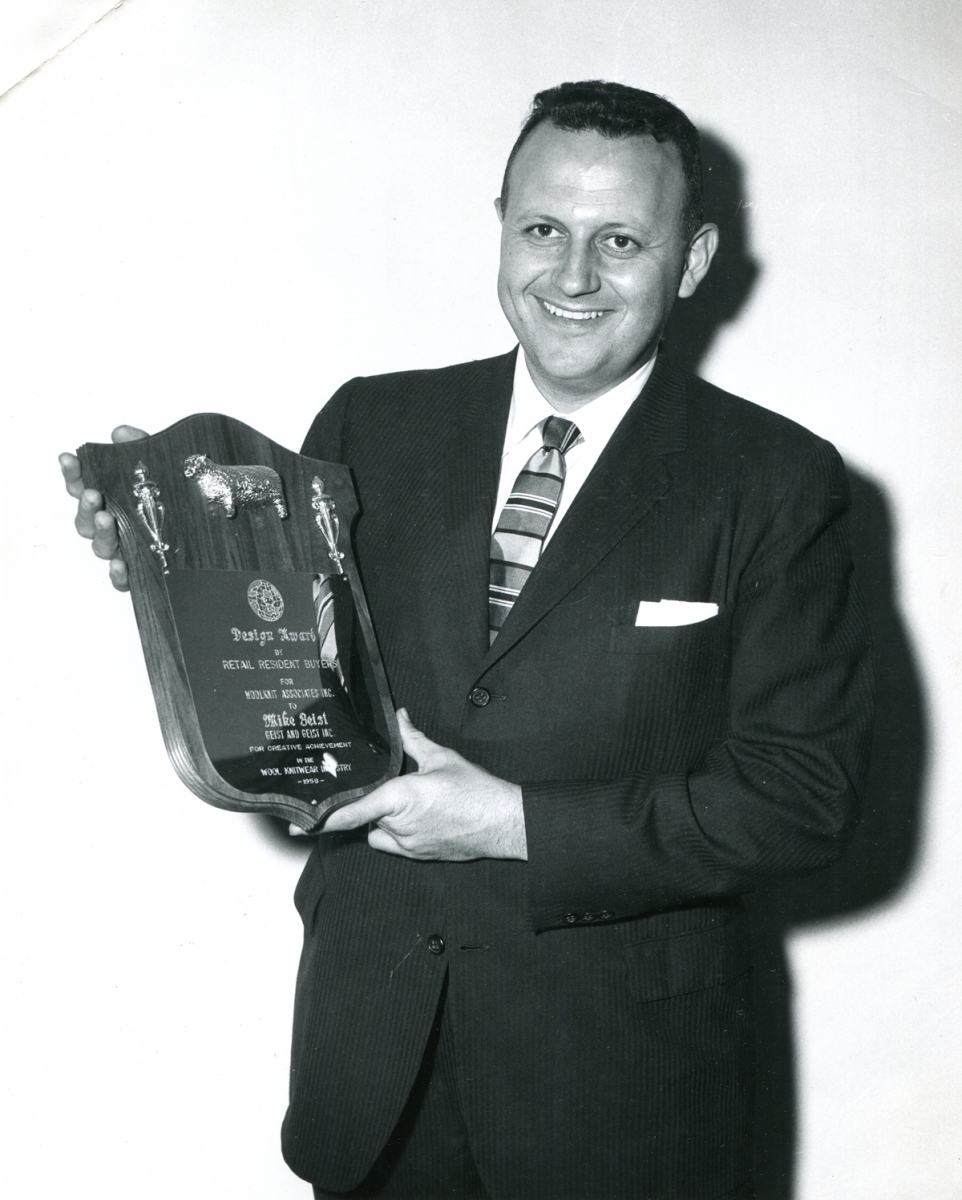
(568, 368)
(571, 382)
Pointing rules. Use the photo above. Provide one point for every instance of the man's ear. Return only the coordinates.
(701, 250)
(498, 209)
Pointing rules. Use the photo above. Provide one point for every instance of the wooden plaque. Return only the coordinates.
(260, 650)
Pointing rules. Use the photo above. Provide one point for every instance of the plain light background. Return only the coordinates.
(238, 204)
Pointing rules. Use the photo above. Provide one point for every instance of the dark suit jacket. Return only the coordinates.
(599, 991)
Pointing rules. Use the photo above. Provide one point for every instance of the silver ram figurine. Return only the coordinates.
(236, 487)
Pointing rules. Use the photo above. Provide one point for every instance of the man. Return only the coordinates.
(618, 607)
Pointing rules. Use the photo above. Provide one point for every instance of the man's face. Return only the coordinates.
(593, 257)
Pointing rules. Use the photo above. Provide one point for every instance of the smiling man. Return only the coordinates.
(618, 606)
(596, 245)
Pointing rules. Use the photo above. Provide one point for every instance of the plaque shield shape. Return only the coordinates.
(261, 654)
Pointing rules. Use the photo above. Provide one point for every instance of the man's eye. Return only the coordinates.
(543, 232)
(621, 241)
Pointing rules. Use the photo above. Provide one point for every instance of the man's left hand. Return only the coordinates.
(450, 810)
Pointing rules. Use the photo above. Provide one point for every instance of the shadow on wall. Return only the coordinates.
(880, 860)
(878, 863)
(725, 290)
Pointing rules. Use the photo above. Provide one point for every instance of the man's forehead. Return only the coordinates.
(588, 168)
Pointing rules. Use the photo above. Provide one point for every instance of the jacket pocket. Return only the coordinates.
(689, 962)
(659, 639)
(309, 890)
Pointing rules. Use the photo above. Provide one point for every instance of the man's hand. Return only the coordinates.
(92, 520)
(450, 810)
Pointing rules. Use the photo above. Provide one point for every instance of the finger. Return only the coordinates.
(417, 745)
(91, 503)
(106, 544)
(118, 575)
(296, 831)
(373, 807)
(380, 839)
(72, 476)
(127, 433)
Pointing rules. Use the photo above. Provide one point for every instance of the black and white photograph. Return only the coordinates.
(481, 578)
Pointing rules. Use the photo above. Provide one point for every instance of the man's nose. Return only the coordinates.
(576, 274)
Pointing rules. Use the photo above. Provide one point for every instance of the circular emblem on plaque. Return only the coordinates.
(265, 600)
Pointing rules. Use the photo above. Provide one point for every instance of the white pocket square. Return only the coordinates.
(674, 612)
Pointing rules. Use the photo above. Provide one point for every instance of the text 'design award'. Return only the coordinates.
(260, 650)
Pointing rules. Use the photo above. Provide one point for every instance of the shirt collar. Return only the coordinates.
(596, 420)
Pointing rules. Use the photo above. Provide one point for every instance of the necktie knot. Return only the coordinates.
(559, 434)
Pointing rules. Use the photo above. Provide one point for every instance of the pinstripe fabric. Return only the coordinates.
(428, 1156)
(665, 771)
(518, 540)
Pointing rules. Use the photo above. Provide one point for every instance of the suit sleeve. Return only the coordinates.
(325, 437)
(776, 794)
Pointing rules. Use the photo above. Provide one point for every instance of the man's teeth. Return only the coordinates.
(571, 316)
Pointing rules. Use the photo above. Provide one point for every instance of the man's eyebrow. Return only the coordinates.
(529, 221)
(538, 215)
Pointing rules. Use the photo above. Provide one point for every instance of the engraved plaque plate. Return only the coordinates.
(261, 654)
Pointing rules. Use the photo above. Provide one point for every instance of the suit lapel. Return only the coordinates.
(629, 477)
(472, 466)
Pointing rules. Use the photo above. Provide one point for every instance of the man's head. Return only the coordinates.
(617, 111)
(601, 230)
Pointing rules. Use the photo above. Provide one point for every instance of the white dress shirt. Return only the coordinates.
(597, 420)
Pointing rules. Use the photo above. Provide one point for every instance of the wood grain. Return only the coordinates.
(201, 537)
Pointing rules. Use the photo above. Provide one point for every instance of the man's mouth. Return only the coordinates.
(572, 314)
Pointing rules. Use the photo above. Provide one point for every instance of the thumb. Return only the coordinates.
(127, 433)
(417, 745)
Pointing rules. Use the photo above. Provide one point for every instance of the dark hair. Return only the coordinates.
(617, 111)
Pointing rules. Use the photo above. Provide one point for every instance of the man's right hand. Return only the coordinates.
(92, 520)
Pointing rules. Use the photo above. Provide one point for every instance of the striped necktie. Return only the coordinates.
(326, 631)
(518, 539)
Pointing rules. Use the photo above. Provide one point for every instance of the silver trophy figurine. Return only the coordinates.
(150, 509)
(325, 515)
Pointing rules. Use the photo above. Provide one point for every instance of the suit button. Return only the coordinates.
(588, 916)
(605, 916)
(480, 697)
(436, 943)
(570, 918)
